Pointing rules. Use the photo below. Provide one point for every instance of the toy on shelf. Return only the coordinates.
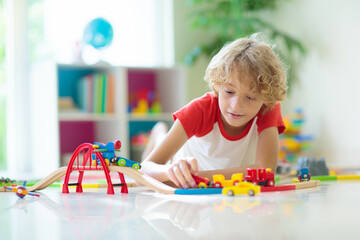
(144, 101)
(220, 182)
(139, 142)
(262, 177)
(241, 188)
(202, 182)
(304, 175)
(21, 191)
(317, 167)
(107, 151)
(140, 139)
(292, 142)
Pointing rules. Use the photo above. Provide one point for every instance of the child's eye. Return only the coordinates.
(250, 98)
(229, 92)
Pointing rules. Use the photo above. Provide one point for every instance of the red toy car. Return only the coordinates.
(202, 182)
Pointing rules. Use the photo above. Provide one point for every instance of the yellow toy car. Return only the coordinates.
(241, 188)
(220, 182)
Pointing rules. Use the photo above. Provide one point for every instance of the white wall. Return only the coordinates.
(329, 85)
(185, 39)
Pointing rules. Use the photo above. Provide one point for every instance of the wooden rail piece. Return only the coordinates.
(144, 179)
(153, 183)
(130, 172)
(307, 184)
(295, 186)
(47, 181)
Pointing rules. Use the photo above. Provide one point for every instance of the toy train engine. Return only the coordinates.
(304, 175)
(107, 151)
(262, 177)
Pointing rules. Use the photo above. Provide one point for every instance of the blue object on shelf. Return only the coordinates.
(98, 33)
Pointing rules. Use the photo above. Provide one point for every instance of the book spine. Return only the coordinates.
(110, 94)
(103, 92)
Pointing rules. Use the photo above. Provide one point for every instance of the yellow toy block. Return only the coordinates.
(219, 180)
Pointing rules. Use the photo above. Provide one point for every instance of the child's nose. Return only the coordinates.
(236, 102)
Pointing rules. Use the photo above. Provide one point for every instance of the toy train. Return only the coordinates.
(237, 184)
(262, 177)
(220, 182)
(107, 151)
(304, 175)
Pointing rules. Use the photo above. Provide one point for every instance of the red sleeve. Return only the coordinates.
(271, 118)
(198, 116)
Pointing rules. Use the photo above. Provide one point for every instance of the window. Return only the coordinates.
(2, 90)
(46, 30)
(139, 30)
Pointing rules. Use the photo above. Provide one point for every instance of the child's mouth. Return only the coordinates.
(236, 116)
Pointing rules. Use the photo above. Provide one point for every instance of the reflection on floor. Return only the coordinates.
(328, 212)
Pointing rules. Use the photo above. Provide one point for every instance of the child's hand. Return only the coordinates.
(180, 172)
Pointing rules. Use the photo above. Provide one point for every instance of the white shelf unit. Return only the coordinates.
(76, 127)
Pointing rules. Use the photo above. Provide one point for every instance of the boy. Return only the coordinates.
(234, 127)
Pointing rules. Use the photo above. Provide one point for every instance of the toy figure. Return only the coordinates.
(21, 191)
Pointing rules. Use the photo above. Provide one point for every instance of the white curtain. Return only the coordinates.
(143, 36)
(142, 30)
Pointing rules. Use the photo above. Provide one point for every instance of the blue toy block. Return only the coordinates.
(198, 191)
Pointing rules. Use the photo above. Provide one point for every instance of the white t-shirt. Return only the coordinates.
(208, 141)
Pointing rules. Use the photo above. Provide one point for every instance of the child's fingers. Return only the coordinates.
(172, 177)
(179, 176)
(183, 164)
(193, 166)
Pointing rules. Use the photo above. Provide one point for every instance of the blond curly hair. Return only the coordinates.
(253, 62)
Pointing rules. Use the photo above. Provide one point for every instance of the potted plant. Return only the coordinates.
(232, 19)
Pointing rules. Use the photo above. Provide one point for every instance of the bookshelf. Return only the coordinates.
(122, 115)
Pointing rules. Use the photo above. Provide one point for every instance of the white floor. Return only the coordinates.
(330, 211)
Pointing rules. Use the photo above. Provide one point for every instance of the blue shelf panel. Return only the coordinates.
(68, 78)
(140, 127)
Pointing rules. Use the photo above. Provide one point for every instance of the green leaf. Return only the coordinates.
(232, 19)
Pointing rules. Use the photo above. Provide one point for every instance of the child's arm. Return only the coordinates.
(267, 152)
(266, 155)
(179, 172)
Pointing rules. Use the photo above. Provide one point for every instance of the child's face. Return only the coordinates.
(237, 106)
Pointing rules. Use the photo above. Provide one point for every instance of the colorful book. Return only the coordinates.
(95, 93)
(90, 92)
(103, 92)
(110, 94)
